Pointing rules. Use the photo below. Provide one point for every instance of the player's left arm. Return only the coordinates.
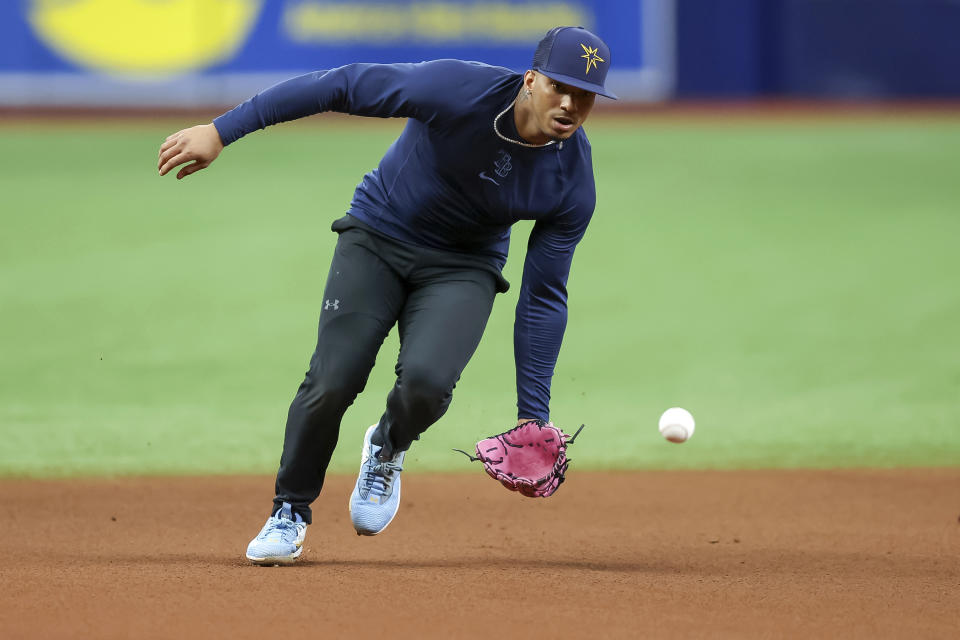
(541, 315)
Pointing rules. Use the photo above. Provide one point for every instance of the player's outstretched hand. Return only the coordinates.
(199, 145)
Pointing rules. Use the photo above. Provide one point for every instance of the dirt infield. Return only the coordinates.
(655, 554)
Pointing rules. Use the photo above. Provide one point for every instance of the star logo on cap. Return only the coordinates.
(591, 56)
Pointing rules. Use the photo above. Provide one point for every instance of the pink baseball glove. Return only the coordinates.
(530, 458)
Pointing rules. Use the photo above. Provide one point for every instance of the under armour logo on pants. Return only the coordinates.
(331, 305)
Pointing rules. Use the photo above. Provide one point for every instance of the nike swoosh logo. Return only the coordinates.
(484, 176)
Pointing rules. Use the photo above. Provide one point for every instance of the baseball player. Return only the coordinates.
(422, 246)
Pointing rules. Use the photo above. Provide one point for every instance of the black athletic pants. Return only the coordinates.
(441, 302)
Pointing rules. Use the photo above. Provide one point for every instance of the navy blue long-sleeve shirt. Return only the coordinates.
(450, 182)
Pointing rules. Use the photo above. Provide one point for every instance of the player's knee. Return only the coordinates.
(333, 390)
(426, 389)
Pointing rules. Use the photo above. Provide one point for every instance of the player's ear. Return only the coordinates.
(529, 78)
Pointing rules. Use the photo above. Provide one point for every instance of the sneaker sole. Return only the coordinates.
(270, 561)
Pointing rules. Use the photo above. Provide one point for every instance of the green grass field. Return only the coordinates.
(795, 285)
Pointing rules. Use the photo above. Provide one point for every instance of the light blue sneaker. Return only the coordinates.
(281, 539)
(376, 497)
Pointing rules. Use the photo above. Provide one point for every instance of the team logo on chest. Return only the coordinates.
(501, 167)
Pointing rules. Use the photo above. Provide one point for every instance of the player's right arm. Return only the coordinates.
(424, 91)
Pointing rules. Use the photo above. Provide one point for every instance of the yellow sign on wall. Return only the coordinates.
(144, 36)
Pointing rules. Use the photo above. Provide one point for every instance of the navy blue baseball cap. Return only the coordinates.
(574, 56)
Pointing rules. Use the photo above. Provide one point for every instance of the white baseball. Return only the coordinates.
(676, 425)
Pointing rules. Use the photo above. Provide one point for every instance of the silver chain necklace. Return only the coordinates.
(503, 137)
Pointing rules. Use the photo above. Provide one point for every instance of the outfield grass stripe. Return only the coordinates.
(792, 284)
